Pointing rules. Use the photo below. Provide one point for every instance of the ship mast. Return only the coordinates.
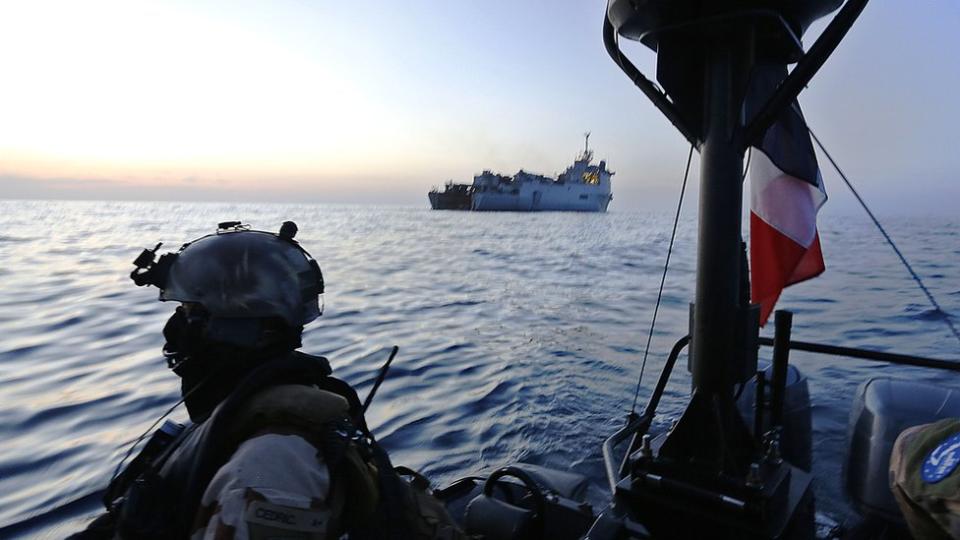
(587, 154)
(709, 466)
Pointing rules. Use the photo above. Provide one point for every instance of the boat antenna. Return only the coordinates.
(380, 377)
(916, 277)
(663, 278)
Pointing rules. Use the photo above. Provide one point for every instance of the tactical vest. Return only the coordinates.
(161, 498)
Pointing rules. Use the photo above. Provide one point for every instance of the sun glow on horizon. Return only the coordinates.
(121, 89)
(375, 101)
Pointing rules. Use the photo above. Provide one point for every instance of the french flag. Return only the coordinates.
(786, 192)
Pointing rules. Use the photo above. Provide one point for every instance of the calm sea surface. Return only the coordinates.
(520, 334)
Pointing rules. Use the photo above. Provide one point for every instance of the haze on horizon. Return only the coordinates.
(377, 101)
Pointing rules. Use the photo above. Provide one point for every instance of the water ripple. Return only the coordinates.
(520, 335)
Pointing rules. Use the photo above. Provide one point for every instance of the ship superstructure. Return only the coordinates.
(582, 187)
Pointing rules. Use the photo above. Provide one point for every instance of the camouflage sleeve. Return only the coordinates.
(925, 478)
(275, 485)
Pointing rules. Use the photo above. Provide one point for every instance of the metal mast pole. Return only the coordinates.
(708, 476)
(718, 249)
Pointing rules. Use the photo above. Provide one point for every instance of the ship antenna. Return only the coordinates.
(586, 146)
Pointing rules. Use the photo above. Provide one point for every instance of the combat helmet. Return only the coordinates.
(238, 276)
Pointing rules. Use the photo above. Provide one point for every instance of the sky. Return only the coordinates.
(375, 102)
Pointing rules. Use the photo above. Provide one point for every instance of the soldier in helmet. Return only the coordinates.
(276, 447)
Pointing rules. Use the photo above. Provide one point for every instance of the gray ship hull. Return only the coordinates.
(570, 198)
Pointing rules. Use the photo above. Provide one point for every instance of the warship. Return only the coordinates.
(582, 187)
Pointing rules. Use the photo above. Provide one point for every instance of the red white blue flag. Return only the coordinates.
(786, 192)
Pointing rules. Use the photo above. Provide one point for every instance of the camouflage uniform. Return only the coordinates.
(278, 483)
(925, 479)
(274, 485)
(293, 466)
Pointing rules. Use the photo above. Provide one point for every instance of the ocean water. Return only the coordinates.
(520, 335)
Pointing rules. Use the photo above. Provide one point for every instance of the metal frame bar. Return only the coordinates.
(866, 354)
(789, 89)
(659, 99)
(637, 425)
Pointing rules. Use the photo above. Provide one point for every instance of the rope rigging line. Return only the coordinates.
(916, 277)
(663, 279)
